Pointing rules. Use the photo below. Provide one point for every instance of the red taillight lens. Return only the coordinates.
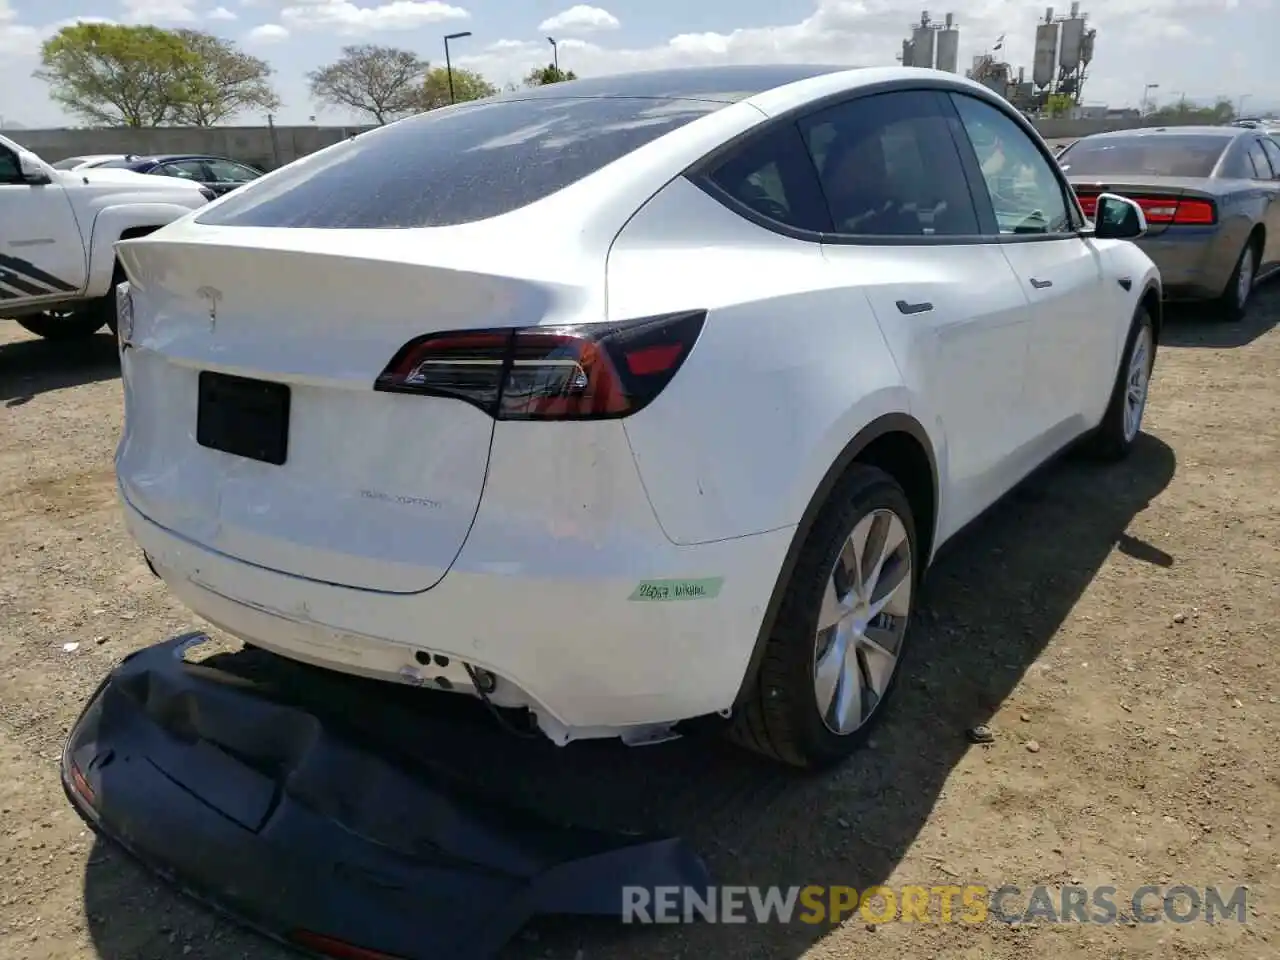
(1196, 212)
(1162, 210)
(586, 372)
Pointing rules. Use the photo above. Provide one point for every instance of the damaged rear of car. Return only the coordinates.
(374, 408)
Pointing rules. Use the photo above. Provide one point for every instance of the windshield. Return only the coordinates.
(457, 164)
(1175, 155)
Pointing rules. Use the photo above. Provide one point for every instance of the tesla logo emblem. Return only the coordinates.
(212, 296)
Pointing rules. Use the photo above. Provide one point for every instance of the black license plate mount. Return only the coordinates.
(243, 416)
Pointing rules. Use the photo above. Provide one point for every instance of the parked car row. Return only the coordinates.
(1211, 196)
(219, 174)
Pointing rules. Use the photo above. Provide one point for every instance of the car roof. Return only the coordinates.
(1226, 133)
(722, 84)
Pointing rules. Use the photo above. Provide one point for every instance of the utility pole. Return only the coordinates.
(448, 63)
(555, 55)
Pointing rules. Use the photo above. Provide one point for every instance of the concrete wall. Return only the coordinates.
(269, 148)
(263, 146)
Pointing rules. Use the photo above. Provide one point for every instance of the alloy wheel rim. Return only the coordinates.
(1135, 398)
(866, 604)
(1245, 284)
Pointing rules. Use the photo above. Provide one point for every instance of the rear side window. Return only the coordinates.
(1261, 165)
(456, 165)
(1171, 155)
(1272, 150)
(772, 177)
(889, 167)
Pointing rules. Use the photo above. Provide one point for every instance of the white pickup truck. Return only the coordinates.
(58, 230)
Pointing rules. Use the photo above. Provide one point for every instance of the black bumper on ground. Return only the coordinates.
(277, 814)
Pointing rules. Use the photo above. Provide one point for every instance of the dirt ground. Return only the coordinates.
(1115, 627)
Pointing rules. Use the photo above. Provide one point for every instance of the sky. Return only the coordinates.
(1198, 48)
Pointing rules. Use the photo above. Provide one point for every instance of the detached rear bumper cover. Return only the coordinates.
(255, 806)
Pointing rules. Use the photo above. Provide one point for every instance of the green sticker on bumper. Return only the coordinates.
(663, 590)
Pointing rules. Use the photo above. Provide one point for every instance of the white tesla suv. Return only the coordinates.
(625, 401)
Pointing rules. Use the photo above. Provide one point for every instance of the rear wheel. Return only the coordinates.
(75, 323)
(1234, 302)
(832, 660)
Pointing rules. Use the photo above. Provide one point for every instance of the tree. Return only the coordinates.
(114, 75)
(1183, 113)
(144, 76)
(541, 76)
(1059, 104)
(383, 82)
(467, 85)
(221, 81)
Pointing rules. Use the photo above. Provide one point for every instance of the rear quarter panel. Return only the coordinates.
(1242, 206)
(788, 368)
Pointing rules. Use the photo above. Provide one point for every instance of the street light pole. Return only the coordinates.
(555, 55)
(448, 63)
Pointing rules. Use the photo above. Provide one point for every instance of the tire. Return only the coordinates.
(781, 716)
(61, 326)
(1122, 423)
(1234, 302)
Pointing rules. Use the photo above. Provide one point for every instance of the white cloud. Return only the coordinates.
(580, 19)
(14, 37)
(159, 11)
(222, 13)
(267, 33)
(1131, 39)
(345, 18)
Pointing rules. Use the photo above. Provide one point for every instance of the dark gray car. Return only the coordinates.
(1212, 200)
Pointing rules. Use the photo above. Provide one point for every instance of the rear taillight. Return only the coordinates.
(1162, 210)
(584, 372)
(1200, 212)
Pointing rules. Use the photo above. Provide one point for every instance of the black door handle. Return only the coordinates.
(1041, 284)
(912, 308)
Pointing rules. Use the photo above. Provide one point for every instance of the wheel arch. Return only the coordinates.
(896, 443)
(1153, 302)
(122, 222)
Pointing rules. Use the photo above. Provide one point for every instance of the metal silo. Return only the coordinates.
(922, 44)
(1069, 53)
(949, 47)
(1045, 66)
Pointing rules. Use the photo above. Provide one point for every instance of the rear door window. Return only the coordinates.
(184, 170)
(456, 164)
(1261, 165)
(1272, 150)
(227, 171)
(889, 167)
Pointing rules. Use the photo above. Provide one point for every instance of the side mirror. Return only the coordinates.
(32, 169)
(1118, 218)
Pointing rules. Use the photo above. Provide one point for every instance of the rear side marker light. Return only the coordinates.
(592, 371)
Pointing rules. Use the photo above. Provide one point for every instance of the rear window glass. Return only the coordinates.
(456, 165)
(1161, 156)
